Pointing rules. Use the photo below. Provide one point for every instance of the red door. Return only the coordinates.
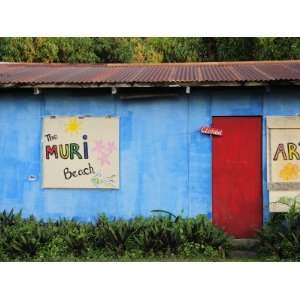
(237, 175)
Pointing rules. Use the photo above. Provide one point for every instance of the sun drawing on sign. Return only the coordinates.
(73, 126)
(289, 172)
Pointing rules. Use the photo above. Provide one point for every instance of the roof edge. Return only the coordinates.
(160, 85)
(55, 64)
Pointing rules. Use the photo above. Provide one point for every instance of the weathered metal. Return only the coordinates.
(167, 74)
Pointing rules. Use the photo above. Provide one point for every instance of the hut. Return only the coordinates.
(220, 139)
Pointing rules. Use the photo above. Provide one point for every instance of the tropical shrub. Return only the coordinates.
(280, 238)
(78, 238)
(115, 236)
(157, 238)
(22, 238)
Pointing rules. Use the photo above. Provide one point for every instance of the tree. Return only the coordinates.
(113, 50)
(175, 49)
(147, 49)
(16, 49)
(278, 48)
(237, 48)
(75, 50)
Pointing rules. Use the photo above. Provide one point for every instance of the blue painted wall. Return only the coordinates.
(165, 163)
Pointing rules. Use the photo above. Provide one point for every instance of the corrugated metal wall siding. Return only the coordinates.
(165, 163)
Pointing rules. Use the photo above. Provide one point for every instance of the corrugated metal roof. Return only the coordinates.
(38, 74)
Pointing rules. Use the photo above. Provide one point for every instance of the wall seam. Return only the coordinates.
(265, 192)
(210, 97)
(188, 140)
(42, 114)
(120, 154)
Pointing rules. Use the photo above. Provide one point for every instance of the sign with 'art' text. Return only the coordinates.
(80, 152)
(283, 148)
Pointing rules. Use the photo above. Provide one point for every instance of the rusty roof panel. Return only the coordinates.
(251, 73)
(153, 74)
(280, 71)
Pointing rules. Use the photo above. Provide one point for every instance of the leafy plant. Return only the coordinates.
(280, 238)
(290, 202)
(115, 236)
(77, 238)
(25, 239)
(160, 237)
(9, 218)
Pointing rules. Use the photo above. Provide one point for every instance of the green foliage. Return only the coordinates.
(115, 236)
(201, 231)
(136, 239)
(113, 50)
(278, 48)
(234, 49)
(191, 250)
(24, 238)
(175, 49)
(292, 202)
(280, 238)
(9, 218)
(146, 50)
(75, 50)
(77, 238)
(28, 50)
(160, 235)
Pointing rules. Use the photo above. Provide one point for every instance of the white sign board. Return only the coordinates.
(80, 152)
(283, 160)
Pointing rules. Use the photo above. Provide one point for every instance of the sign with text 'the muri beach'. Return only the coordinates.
(80, 152)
